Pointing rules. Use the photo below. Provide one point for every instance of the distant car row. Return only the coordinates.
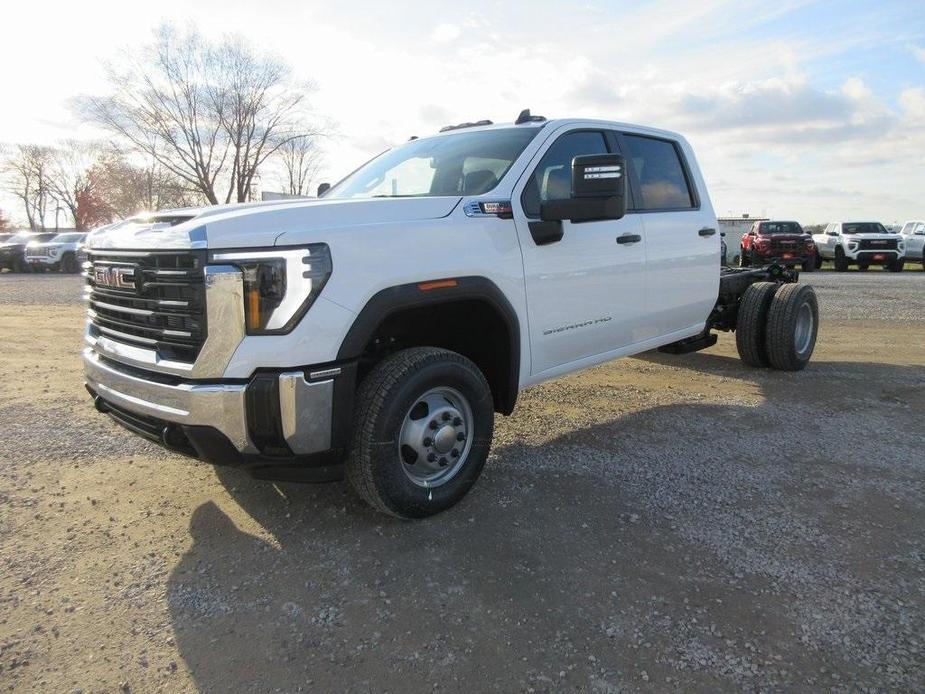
(844, 243)
(28, 251)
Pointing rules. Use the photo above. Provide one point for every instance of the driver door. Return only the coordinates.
(585, 292)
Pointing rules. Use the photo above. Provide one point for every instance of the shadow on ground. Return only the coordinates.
(678, 546)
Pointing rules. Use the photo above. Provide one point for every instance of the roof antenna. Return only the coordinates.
(525, 117)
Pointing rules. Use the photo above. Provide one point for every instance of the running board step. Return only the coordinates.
(691, 344)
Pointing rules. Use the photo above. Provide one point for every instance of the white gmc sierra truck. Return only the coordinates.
(376, 331)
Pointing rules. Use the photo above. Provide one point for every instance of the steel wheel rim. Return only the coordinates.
(435, 437)
(803, 332)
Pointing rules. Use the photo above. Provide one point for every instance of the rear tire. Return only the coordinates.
(751, 323)
(841, 262)
(793, 324)
(389, 464)
(896, 265)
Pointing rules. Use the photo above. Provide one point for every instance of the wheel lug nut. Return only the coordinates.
(457, 422)
(454, 453)
(460, 436)
(443, 462)
(427, 441)
(431, 458)
(433, 424)
(446, 416)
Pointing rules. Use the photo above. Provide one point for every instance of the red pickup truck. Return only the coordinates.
(784, 243)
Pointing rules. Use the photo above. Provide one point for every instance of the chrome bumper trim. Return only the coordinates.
(224, 324)
(220, 406)
(306, 410)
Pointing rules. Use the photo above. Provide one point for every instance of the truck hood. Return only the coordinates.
(871, 237)
(255, 226)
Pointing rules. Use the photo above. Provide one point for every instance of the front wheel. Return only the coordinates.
(818, 261)
(423, 426)
(809, 265)
(68, 264)
(841, 262)
(743, 258)
(896, 265)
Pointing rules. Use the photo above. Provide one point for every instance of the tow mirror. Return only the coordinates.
(598, 191)
(323, 188)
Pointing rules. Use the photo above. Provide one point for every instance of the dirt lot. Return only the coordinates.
(660, 523)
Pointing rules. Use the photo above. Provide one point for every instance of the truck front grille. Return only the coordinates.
(151, 299)
(877, 245)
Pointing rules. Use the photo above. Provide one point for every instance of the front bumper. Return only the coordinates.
(42, 260)
(873, 257)
(278, 425)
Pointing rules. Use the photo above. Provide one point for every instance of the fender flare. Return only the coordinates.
(391, 300)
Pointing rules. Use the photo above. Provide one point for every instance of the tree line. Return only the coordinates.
(186, 121)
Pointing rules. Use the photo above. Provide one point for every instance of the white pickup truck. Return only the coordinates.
(913, 236)
(860, 243)
(376, 331)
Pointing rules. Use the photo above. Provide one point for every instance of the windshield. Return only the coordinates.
(463, 163)
(21, 237)
(862, 228)
(68, 238)
(780, 228)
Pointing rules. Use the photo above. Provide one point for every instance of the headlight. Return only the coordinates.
(52, 252)
(280, 284)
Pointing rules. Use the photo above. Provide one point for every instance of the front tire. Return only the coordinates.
(809, 265)
(743, 258)
(793, 323)
(896, 265)
(423, 426)
(69, 264)
(841, 262)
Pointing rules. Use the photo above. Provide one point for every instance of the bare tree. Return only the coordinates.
(26, 177)
(300, 158)
(73, 183)
(4, 222)
(209, 115)
(137, 184)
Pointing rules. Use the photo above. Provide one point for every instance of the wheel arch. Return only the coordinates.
(406, 307)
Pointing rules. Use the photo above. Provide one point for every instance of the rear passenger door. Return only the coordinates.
(682, 241)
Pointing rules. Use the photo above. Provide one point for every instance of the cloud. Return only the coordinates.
(445, 33)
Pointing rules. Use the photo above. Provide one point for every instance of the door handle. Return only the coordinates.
(707, 231)
(629, 238)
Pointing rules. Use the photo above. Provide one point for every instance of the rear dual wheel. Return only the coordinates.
(777, 325)
(423, 426)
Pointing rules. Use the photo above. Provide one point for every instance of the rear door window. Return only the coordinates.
(660, 174)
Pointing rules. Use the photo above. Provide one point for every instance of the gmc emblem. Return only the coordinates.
(114, 277)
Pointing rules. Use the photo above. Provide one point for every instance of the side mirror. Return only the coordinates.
(723, 234)
(832, 233)
(598, 191)
(323, 188)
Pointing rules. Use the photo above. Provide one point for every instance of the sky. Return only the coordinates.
(796, 109)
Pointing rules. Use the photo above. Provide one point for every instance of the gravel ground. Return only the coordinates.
(660, 523)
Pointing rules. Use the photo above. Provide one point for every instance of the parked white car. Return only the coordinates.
(376, 331)
(913, 235)
(860, 243)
